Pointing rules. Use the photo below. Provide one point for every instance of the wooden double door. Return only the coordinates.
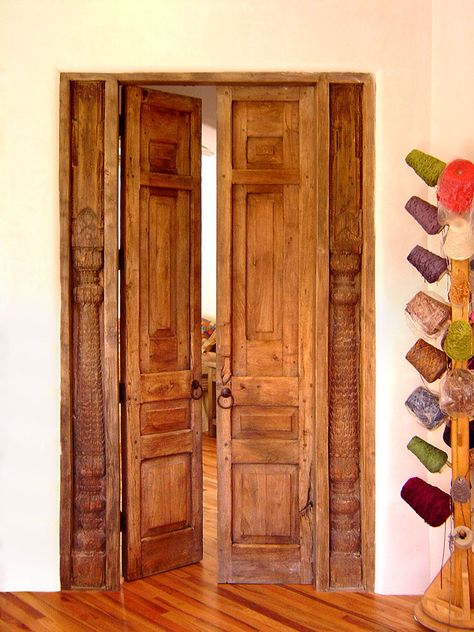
(265, 325)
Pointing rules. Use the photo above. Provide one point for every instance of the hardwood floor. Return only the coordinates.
(188, 600)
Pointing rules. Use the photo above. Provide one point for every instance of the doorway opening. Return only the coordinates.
(268, 165)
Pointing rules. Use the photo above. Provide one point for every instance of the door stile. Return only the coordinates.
(224, 308)
(67, 446)
(307, 357)
(195, 326)
(111, 335)
(321, 537)
(129, 325)
(368, 347)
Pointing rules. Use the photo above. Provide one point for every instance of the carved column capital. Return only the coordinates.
(344, 268)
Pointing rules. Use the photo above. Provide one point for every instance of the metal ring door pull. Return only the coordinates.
(196, 389)
(225, 399)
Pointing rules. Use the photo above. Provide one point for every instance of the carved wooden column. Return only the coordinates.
(89, 404)
(87, 242)
(88, 554)
(344, 336)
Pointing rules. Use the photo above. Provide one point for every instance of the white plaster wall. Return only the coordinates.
(40, 39)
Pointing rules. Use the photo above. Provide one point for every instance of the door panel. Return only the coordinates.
(164, 279)
(162, 492)
(266, 255)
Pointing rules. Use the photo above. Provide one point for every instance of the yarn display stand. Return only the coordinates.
(448, 603)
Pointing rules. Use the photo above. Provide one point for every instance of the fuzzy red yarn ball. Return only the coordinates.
(456, 186)
(429, 502)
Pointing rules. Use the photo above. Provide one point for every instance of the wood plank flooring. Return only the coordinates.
(188, 600)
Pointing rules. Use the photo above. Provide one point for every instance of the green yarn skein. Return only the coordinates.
(432, 457)
(459, 341)
(427, 167)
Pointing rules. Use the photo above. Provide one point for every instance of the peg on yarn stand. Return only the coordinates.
(447, 434)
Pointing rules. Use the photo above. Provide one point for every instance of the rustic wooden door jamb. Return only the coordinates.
(345, 302)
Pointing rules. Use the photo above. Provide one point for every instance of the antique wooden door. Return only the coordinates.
(160, 332)
(266, 259)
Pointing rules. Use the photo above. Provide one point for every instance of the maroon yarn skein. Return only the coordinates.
(429, 502)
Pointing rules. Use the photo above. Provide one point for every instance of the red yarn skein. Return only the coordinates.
(429, 502)
(456, 186)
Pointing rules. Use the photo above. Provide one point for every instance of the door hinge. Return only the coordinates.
(122, 393)
(121, 124)
(120, 259)
(122, 522)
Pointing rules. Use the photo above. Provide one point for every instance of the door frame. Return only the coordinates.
(76, 140)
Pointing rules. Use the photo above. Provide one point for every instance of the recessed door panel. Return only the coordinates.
(264, 510)
(164, 279)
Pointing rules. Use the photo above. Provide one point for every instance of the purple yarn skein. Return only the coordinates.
(431, 266)
(425, 214)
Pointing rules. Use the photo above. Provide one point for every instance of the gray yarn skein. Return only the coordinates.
(424, 405)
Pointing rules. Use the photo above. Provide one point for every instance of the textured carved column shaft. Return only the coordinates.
(345, 537)
(88, 555)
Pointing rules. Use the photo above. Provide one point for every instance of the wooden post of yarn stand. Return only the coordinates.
(448, 603)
